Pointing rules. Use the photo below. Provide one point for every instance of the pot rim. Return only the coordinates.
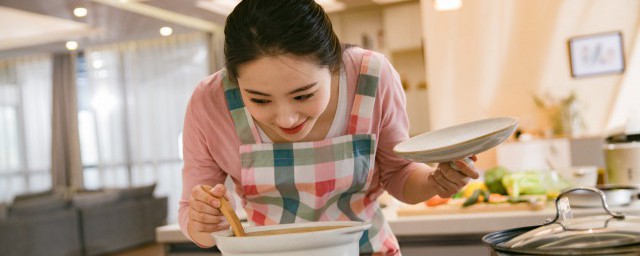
(350, 227)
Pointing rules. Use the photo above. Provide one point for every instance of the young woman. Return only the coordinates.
(304, 127)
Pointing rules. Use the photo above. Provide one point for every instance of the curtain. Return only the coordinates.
(131, 111)
(625, 110)
(25, 130)
(66, 169)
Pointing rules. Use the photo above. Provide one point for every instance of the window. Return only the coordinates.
(25, 126)
(131, 104)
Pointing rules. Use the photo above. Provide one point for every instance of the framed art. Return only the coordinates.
(596, 54)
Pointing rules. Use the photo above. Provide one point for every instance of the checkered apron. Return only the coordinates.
(315, 181)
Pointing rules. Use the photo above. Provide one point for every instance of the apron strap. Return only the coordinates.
(245, 128)
(362, 110)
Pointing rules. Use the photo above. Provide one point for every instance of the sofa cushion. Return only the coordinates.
(30, 196)
(3, 211)
(38, 206)
(137, 192)
(88, 199)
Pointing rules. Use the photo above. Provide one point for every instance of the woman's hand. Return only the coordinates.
(204, 212)
(447, 181)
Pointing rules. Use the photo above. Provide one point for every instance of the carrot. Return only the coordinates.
(437, 200)
(498, 198)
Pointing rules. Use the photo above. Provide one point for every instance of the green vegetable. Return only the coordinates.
(473, 198)
(486, 195)
(493, 180)
(524, 183)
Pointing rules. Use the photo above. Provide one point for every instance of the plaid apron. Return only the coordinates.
(315, 181)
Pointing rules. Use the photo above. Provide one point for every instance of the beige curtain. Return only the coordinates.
(66, 167)
(490, 57)
(625, 109)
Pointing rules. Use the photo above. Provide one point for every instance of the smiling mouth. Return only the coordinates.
(295, 129)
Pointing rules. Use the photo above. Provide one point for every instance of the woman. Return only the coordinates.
(304, 127)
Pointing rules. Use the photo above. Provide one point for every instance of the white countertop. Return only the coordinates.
(446, 224)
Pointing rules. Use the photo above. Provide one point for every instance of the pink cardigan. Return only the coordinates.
(211, 143)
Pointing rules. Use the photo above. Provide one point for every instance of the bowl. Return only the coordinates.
(340, 238)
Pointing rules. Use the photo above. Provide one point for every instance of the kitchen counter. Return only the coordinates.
(451, 234)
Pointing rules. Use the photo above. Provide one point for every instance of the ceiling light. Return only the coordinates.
(166, 31)
(71, 45)
(80, 12)
(447, 5)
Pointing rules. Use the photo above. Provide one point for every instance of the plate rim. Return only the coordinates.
(405, 153)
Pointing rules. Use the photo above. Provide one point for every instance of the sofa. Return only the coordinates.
(95, 222)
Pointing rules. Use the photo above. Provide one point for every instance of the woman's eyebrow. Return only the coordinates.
(301, 89)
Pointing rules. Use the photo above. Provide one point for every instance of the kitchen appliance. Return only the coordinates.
(622, 158)
(611, 234)
(343, 240)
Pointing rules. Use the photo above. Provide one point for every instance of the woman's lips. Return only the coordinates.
(294, 130)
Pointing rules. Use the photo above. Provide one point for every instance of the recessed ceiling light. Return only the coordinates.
(166, 31)
(80, 12)
(71, 45)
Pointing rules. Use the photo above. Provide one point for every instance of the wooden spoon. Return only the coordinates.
(231, 215)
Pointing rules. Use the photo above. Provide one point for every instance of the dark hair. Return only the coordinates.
(258, 28)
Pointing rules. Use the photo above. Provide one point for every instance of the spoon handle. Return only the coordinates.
(231, 216)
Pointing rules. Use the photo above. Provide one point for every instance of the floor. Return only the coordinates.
(147, 250)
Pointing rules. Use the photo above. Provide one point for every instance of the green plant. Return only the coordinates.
(563, 113)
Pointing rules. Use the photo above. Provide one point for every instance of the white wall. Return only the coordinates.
(489, 57)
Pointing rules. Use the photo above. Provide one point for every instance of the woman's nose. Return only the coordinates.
(286, 118)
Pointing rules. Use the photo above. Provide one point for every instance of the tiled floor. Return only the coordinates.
(147, 250)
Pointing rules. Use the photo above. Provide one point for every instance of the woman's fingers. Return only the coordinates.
(206, 217)
(208, 227)
(467, 170)
(445, 188)
(204, 208)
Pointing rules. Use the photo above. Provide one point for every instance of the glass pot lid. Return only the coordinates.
(603, 231)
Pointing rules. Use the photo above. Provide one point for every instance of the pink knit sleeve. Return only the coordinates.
(199, 164)
(394, 128)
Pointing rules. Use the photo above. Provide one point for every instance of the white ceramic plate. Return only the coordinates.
(457, 142)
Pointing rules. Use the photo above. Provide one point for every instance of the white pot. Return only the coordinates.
(336, 242)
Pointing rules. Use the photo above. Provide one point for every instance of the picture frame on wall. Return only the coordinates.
(596, 54)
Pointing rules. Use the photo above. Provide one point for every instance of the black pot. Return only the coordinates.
(613, 234)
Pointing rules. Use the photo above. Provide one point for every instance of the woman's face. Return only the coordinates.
(285, 94)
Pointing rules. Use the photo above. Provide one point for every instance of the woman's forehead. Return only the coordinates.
(280, 72)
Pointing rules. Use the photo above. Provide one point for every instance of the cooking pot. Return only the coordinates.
(622, 158)
(340, 238)
(611, 234)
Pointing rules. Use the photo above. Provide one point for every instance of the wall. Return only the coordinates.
(489, 57)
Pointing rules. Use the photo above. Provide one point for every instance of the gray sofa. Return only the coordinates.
(81, 223)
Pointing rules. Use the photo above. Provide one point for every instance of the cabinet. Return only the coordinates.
(560, 152)
(402, 27)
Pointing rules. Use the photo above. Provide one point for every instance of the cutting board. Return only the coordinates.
(422, 209)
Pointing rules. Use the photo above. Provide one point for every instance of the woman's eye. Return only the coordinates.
(259, 101)
(304, 97)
